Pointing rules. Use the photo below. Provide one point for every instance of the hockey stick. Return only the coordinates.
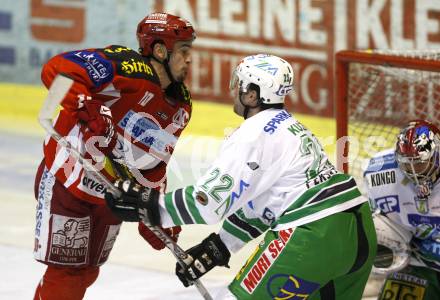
(57, 92)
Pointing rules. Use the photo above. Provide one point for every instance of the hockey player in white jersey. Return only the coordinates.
(271, 176)
(402, 185)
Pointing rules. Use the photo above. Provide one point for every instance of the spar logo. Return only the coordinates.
(262, 265)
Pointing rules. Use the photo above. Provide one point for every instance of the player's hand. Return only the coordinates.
(153, 240)
(205, 256)
(99, 123)
(135, 204)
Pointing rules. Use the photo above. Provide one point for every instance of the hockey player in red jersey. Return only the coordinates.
(125, 111)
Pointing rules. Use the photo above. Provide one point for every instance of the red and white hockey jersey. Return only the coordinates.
(147, 119)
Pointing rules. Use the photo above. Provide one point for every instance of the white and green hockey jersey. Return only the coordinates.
(270, 173)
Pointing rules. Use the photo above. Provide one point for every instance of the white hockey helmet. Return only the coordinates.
(272, 74)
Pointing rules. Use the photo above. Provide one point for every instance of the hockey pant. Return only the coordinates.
(72, 237)
(327, 259)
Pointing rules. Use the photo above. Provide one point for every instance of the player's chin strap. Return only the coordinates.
(166, 65)
(58, 90)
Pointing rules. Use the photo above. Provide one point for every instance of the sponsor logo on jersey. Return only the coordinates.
(285, 286)
(69, 240)
(388, 204)
(380, 163)
(231, 199)
(92, 185)
(267, 258)
(147, 132)
(382, 178)
(45, 191)
(99, 69)
(271, 126)
(135, 66)
(416, 220)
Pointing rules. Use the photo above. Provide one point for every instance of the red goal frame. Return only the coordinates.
(342, 60)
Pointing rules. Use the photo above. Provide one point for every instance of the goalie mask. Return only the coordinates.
(417, 151)
(273, 75)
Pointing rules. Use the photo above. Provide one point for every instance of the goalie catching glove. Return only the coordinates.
(204, 257)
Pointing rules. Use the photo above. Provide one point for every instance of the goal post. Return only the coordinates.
(376, 93)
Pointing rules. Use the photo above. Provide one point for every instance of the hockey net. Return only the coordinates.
(377, 93)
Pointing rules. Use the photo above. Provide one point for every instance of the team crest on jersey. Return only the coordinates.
(181, 118)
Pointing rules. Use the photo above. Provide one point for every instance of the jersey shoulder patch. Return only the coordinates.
(130, 63)
(98, 68)
(381, 162)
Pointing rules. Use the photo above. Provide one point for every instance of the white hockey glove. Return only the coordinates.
(393, 253)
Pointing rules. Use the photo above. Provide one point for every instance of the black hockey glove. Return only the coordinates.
(136, 203)
(209, 253)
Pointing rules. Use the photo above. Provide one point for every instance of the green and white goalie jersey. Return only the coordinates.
(270, 173)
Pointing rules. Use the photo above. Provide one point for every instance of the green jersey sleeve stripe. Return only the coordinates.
(243, 236)
(169, 205)
(318, 206)
(254, 222)
(189, 199)
(328, 188)
(181, 206)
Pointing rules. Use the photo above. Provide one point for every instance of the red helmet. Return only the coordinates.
(417, 150)
(165, 28)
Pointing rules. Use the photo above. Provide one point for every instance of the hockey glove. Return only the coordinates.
(152, 238)
(136, 203)
(205, 256)
(98, 120)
